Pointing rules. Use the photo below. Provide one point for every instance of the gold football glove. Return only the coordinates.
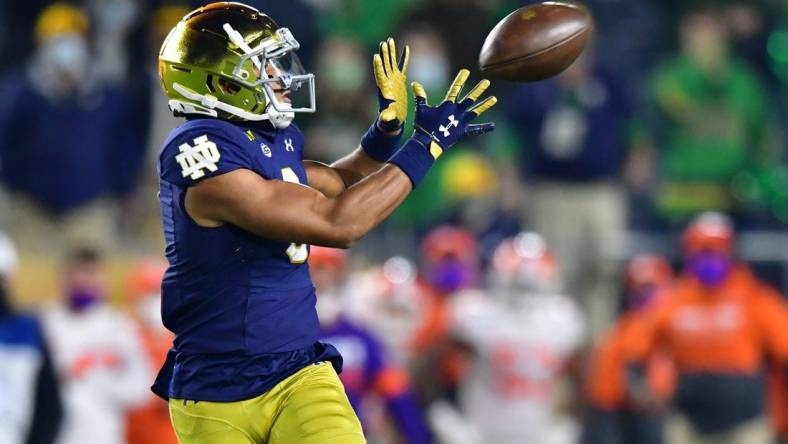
(391, 79)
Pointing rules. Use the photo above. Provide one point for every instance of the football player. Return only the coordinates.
(625, 409)
(240, 207)
(521, 336)
(720, 325)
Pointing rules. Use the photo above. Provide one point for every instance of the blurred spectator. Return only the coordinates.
(445, 18)
(450, 264)
(632, 60)
(623, 414)
(68, 144)
(345, 97)
(521, 335)
(430, 61)
(367, 372)
(30, 407)
(575, 133)
(150, 424)
(710, 120)
(718, 324)
(102, 365)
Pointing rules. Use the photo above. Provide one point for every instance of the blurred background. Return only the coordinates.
(560, 281)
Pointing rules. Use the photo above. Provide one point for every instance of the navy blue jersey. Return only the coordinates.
(242, 307)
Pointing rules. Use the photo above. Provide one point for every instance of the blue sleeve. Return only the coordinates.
(200, 152)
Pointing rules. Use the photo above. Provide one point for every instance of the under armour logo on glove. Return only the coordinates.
(194, 160)
(453, 123)
(289, 145)
(440, 127)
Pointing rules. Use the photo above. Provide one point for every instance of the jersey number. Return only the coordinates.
(298, 253)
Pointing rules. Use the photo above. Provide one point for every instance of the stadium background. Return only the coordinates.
(604, 173)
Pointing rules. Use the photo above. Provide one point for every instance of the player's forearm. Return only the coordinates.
(366, 204)
(356, 166)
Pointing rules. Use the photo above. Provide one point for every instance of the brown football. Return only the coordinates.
(536, 42)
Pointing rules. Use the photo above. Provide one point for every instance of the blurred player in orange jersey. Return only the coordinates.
(719, 323)
(150, 424)
(450, 264)
(367, 372)
(521, 336)
(621, 413)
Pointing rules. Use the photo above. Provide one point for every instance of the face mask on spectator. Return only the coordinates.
(710, 268)
(344, 76)
(450, 275)
(429, 69)
(82, 298)
(60, 66)
(65, 55)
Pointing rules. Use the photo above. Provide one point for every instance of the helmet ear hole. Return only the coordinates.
(227, 87)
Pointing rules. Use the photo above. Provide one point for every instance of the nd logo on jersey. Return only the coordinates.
(195, 159)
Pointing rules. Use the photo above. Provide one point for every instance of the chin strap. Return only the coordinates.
(209, 104)
(279, 119)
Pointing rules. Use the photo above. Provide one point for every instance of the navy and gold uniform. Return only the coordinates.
(242, 306)
(247, 366)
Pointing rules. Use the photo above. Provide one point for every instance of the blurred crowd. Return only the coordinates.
(508, 300)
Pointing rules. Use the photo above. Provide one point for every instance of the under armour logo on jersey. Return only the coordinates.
(266, 150)
(453, 123)
(194, 160)
(289, 145)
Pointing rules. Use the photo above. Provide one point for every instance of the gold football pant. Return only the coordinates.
(309, 407)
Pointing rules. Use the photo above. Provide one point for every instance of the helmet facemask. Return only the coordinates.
(289, 89)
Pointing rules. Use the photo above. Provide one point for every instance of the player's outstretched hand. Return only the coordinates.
(439, 128)
(391, 79)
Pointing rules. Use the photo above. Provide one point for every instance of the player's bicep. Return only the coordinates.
(269, 208)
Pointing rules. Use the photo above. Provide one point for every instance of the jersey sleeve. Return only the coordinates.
(201, 153)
